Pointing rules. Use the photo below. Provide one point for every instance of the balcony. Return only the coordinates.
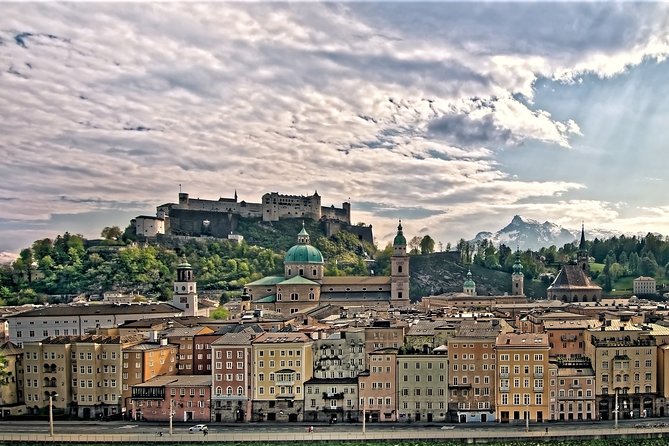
(285, 396)
(285, 383)
(503, 388)
(460, 386)
(503, 374)
(538, 388)
(333, 396)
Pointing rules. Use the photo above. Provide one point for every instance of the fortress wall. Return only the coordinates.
(276, 207)
(190, 222)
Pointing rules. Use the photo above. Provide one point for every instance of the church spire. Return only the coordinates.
(581, 245)
(400, 240)
(235, 195)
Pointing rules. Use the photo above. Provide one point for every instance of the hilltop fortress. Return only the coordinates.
(218, 218)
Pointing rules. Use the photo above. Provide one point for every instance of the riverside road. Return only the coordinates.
(159, 432)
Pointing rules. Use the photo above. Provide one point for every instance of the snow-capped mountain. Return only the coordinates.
(532, 234)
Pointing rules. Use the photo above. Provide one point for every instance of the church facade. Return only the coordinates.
(573, 284)
(303, 286)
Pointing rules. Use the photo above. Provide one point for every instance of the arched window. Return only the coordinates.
(228, 391)
(399, 268)
(219, 390)
(240, 391)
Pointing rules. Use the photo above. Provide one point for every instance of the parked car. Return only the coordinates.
(197, 428)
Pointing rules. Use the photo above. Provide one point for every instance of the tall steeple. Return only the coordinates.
(399, 269)
(517, 278)
(583, 256)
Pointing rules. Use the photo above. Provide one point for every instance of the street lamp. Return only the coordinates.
(51, 396)
(171, 415)
(615, 411)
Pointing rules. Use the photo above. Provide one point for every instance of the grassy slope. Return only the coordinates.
(441, 272)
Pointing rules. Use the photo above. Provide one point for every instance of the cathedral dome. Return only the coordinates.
(303, 254)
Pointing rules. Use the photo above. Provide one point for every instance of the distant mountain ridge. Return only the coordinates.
(527, 233)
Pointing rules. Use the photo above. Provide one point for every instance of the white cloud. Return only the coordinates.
(113, 107)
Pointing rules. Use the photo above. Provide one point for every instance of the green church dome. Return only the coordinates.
(400, 240)
(469, 283)
(184, 264)
(303, 254)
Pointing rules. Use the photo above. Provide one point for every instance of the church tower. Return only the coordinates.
(517, 277)
(469, 287)
(185, 290)
(399, 270)
(583, 257)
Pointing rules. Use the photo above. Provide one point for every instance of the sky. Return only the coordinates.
(453, 117)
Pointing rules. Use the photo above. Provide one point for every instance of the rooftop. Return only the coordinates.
(523, 340)
(97, 309)
(281, 337)
(177, 381)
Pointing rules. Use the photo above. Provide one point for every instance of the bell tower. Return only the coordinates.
(185, 290)
(399, 270)
(517, 277)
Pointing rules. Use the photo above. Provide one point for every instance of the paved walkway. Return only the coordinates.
(464, 435)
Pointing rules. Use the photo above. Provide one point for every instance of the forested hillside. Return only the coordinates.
(70, 265)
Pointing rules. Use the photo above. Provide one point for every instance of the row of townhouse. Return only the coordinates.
(476, 371)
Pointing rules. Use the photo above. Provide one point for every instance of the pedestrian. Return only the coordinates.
(205, 431)
(546, 430)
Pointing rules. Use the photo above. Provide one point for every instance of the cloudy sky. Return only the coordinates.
(451, 116)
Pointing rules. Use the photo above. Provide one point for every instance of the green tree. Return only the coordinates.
(607, 274)
(648, 267)
(220, 313)
(426, 245)
(414, 245)
(111, 233)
